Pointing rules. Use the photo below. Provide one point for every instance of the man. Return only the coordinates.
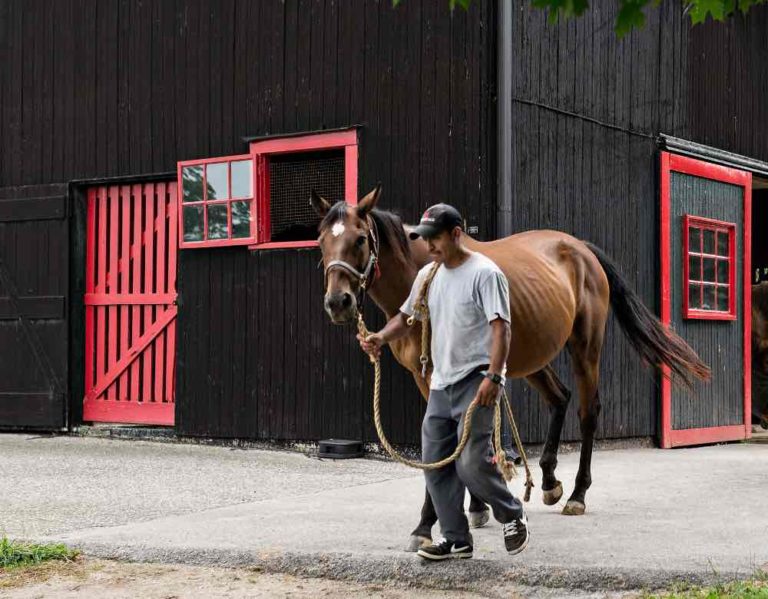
(468, 302)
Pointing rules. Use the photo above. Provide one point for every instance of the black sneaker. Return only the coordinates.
(516, 535)
(446, 549)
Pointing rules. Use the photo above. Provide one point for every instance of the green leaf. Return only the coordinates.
(630, 16)
(701, 9)
(395, 3)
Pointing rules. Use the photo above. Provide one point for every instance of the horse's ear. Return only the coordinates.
(319, 203)
(368, 203)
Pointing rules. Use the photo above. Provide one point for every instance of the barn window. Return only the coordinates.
(261, 199)
(709, 269)
(217, 202)
(290, 167)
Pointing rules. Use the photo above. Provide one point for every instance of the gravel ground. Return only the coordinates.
(60, 484)
(653, 517)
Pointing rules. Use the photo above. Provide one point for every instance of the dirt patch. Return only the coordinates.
(109, 579)
(121, 580)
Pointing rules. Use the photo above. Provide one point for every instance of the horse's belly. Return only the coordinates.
(542, 313)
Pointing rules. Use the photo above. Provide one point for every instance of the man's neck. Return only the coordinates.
(459, 257)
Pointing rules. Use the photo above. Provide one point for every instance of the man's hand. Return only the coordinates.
(488, 393)
(372, 344)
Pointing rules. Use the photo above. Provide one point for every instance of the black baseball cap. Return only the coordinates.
(437, 218)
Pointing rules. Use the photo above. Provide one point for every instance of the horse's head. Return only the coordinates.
(349, 246)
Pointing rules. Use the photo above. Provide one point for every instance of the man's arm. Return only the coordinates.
(500, 338)
(394, 329)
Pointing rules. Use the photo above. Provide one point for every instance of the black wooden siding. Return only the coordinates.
(719, 343)
(258, 358)
(34, 293)
(586, 110)
(109, 88)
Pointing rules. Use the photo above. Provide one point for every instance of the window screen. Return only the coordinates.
(291, 179)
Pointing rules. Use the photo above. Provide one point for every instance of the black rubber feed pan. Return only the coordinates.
(340, 449)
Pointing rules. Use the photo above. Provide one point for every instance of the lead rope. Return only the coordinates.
(506, 468)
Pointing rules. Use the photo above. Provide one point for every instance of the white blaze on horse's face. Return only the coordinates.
(338, 229)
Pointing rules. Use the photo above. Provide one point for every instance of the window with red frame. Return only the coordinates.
(262, 199)
(709, 269)
(216, 201)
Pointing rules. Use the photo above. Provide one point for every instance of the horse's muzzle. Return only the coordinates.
(341, 307)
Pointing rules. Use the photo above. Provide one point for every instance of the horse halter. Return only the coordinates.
(371, 268)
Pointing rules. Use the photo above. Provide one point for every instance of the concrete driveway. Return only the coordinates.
(654, 517)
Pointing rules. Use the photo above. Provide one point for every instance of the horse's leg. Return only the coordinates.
(586, 345)
(422, 534)
(556, 395)
(479, 514)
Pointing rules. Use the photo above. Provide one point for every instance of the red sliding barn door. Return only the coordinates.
(130, 304)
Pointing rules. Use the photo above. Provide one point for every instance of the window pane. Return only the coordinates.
(722, 271)
(709, 242)
(722, 244)
(694, 268)
(722, 299)
(193, 223)
(709, 298)
(694, 239)
(217, 221)
(241, 219)
(694, 296)
(192, 182)
(217, 181)
(241, 180)
(709, 270)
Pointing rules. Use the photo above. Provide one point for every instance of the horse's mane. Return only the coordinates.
(388, 225)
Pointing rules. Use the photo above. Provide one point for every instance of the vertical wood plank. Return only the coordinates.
(90, 287)
(173, 245)
(161, 264)
(113, 278)
(125, 280)
(148, 286)
(101, 332)
(136, 287)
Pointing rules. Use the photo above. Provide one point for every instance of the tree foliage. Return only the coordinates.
(632, 12)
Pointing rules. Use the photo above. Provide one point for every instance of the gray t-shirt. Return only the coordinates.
(462, 301)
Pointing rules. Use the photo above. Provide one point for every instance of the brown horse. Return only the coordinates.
(560, 292)
(760, 354)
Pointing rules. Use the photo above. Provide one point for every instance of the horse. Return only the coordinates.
(560, 291)
(760, 354)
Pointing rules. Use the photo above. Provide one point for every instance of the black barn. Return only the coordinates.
(157, 263)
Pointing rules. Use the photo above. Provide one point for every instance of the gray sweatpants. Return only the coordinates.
(440, 433)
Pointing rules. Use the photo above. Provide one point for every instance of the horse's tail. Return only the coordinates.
(656, 344)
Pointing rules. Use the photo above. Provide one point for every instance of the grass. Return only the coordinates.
(14, 554)
(754, 588)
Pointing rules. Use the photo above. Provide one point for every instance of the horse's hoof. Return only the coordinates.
(479, 519)
(416, 542)
(574, 508)
(552, 496)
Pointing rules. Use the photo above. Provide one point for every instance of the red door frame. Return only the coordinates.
(130, 380)
(690, 166)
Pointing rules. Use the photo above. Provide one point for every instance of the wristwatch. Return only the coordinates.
(494, 378)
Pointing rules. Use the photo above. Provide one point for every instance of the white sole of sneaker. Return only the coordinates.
(439, 558)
